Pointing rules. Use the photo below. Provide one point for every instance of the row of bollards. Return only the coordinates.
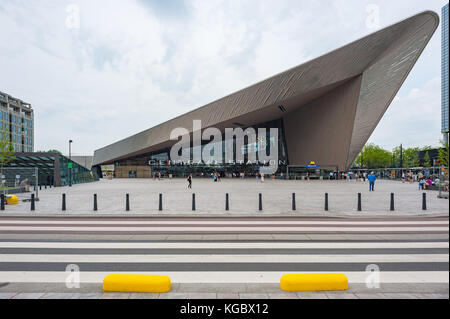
(227, 202)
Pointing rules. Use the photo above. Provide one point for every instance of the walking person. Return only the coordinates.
(372, 178)
(189, 179)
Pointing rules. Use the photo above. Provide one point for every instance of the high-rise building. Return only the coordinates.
(445, 74)
(17, 122)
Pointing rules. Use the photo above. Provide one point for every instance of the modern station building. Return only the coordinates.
(17, 122)
(325, 110)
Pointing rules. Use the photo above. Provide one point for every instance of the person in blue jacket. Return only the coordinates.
(372, 178)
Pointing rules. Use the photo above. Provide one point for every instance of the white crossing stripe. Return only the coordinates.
(75, 258)
(216, 228)
(221, 245)
(218, 222)
(222, 276)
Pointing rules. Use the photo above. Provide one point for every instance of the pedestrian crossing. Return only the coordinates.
(194, 262)
(221, 226)
(31, 259)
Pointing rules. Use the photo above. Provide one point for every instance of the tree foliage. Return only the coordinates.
(373, 156)
(443, 153)
(426, 160)
(6, 147)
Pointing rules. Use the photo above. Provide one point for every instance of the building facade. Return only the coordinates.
(445, 73)
(324, 110)
(53, 169)
(17, 122)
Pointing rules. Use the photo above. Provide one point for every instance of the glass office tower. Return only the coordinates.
(445, 74)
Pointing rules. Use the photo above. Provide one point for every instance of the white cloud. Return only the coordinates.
(132, 65)
(413, 119)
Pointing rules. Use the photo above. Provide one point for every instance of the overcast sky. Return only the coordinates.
(125, 66)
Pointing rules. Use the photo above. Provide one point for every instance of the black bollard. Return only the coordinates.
(392, 202)
(193, 201)
(63, 201)
(127, 202)
(326, 201)
(260, 201)
(40, 187)
(95, 202)
(359, 202)
(293, 202)
(160, 201)
(2, 205)
(424, 201)
(227, 202)
(32, 202)
(45, 186)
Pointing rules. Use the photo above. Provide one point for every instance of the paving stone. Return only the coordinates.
(57, 295)
(432, 296)
(253, 296)
(145, 295)
(370, 296)
(170, 295)
(312, 295)
(202, 296)
(337, 295)
(266, 288)
(31, 295)
(7, 295)
(283, 296)
(389, 295)
(113, 295)
(228, 296)
(87, 295)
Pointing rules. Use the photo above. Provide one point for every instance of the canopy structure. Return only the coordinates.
(329, 106)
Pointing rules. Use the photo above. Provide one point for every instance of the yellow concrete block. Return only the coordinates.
(136, 283)
(313, 282)
(11, 199)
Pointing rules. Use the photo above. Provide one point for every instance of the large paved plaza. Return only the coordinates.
(243, 198)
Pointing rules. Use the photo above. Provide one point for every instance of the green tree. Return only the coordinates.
(411, 157)
(6, 149)
(373, 156)
(443, 152)
(426, 160)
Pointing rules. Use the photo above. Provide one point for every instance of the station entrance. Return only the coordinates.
(328, 172)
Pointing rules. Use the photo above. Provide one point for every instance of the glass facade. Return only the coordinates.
(160, 161)
(46, 163)
(445, 73)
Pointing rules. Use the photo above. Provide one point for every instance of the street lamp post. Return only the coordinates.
(70, 163)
